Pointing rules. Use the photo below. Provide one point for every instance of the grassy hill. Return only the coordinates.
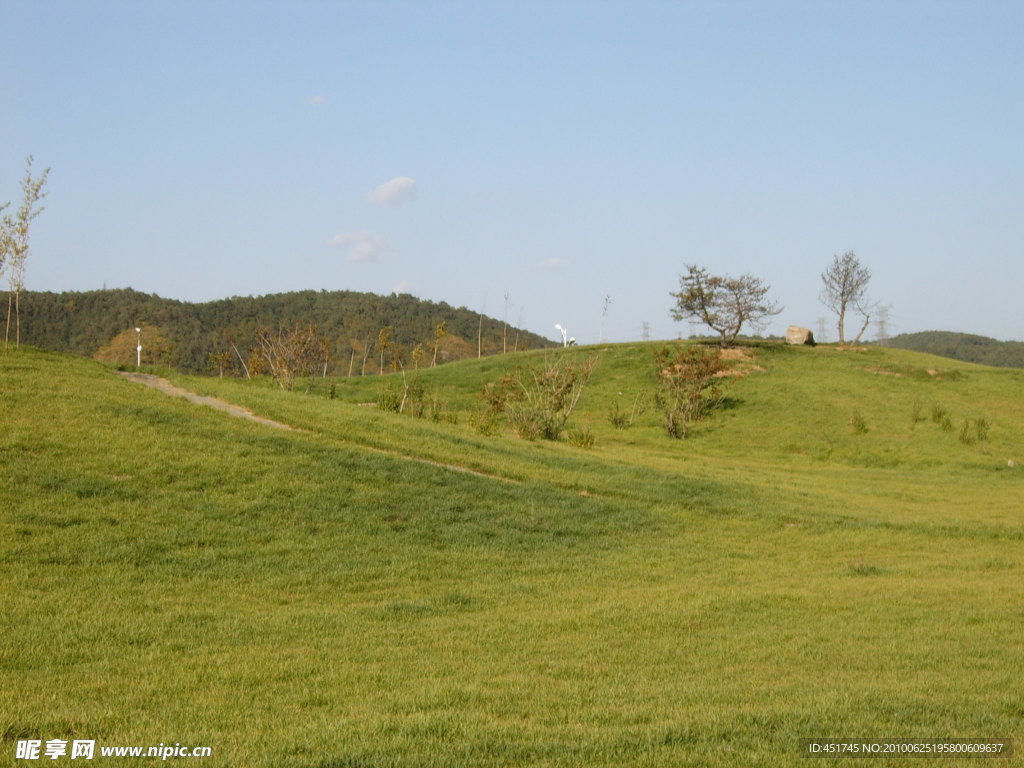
(963, 346)
(820, 559)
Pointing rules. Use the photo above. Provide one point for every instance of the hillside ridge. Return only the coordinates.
(968, 347)
(196, 336)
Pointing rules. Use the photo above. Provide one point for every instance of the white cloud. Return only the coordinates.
(400, 189)
(316, 100)
(403, 286)
(549, 264)
(363, 246)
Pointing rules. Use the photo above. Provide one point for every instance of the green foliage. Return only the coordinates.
(619, 419)
(411, 396)
(963, 346)
(580, 437)
(157, 349)
(82, 322)
(390, 398)
(690, 384)
(538, 399)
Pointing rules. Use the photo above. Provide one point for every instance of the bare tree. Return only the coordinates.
(289, 354)
(845, 285)
(724, 304)
(14, 244)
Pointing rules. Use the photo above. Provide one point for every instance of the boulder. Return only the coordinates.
(798, 335)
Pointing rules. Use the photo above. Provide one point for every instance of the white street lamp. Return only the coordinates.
(565, 334)
(138, 348)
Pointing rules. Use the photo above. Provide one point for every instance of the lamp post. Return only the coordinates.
(138, 348)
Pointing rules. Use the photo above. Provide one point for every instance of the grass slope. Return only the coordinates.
(317, 599)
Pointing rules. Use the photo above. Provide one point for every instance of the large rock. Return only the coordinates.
(798, 335)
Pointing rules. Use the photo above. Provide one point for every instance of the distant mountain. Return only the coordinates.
(963, 346)
(85, 323)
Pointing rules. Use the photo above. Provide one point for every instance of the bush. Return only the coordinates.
(690, 385)
(537, 400)
(620, 420)
(581, 437)
(390, 399)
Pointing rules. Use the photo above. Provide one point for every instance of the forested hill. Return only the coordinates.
(194, 336)
(963, 346)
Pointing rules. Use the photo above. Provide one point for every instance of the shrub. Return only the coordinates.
(581, 437)
(618, 418)
(537, 400)
(389, 399)
(690, 384)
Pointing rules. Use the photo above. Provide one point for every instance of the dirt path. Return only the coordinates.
(213, 402)
(168, 388)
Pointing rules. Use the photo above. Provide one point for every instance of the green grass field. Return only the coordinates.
(820, 559)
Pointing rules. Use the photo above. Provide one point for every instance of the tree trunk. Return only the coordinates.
(860, 333)
(7, 331)
(17, 318)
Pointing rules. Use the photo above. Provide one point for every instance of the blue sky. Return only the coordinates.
(527, 159)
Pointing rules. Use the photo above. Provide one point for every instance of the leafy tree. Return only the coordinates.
(219, 362)
(844, 285)
(724, 304)
(157, 349)
(14, 244)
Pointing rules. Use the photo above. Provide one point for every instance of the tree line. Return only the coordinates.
(221, 336)
(962, 346)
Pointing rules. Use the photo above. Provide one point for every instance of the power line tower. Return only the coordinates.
(882, 324)
(819, 334)
(645, 331)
